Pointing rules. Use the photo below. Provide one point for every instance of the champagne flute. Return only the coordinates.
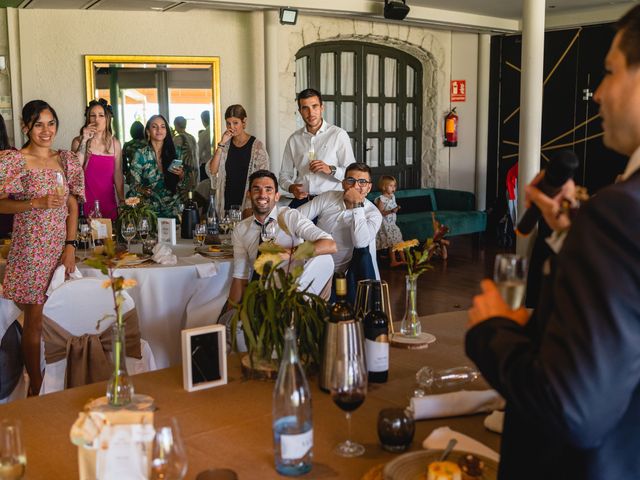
(200, 233)
(59, 183)
(268, 232)
(128, 233)
(168, 458)
(348, 386)
(510, 275)
(143, 228)
(13, 459)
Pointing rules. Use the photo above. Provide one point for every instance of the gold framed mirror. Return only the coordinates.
(138, 86)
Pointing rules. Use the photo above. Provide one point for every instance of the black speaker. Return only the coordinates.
(395, 10)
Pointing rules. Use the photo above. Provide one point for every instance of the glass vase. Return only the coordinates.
(119, 387)
(410, 326)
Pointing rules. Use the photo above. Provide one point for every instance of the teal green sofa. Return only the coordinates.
(453, 208)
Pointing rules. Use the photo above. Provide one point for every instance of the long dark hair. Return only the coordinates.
(168, 153)
(108, 115)
(31, 114)
(4, 138)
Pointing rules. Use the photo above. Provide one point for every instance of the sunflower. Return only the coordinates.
(399, 247)
(273, 258)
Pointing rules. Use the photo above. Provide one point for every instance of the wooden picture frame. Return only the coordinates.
(204, 357)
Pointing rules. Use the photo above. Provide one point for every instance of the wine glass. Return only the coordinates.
(168, 458)
(235, 213)
(59, 183)
(224, 225)
(13, 460)
(348, 386)
(143, 228)
(268, 232)
(200, 233)
(510, 275)
(128, 233)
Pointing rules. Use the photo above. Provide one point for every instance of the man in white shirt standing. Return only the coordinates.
(353, 222)
(263, 192)
(315, 156)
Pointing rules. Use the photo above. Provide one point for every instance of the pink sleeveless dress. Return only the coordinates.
(99, 185)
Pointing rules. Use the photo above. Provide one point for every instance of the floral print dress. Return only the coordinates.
(389, 233)
(38, 234)
(145, 173)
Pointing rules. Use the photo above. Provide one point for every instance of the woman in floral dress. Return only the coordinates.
(152, 178)
(41, 186)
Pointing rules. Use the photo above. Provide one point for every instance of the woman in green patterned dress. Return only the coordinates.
(150, 172)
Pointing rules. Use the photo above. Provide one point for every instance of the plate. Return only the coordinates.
(221, 252)
(140, 258)
(413, 465)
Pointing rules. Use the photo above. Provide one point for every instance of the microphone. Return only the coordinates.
(560, 169)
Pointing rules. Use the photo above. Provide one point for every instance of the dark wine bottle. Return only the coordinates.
(341, 310)
(190, 217)
(376, 334)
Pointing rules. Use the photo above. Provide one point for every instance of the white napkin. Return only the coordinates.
(59, 277)
(440, 437)
(495, 421)
(163, 255)
(205, 267)
(464, 402)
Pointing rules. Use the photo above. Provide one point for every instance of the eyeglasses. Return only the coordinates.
(360, 181)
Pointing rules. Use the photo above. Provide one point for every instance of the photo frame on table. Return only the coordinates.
(167, 231)
(204, 358)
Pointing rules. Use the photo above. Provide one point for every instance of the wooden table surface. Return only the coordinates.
(230, 426)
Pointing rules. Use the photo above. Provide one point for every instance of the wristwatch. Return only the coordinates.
(359, 205)
(73, 243)
(333, 170)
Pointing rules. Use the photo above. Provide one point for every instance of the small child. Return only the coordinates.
(389, 233)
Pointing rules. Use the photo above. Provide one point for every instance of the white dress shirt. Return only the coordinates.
(350, 228)
(331, 144)
(246, 237)
(632, 165)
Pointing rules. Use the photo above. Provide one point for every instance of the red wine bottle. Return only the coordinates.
(376, 334)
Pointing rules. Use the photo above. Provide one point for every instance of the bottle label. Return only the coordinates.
(296, 446)
(377, 354)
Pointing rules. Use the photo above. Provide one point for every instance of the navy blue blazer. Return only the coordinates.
(571, 377)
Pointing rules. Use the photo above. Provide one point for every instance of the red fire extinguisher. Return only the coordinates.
(451, 129)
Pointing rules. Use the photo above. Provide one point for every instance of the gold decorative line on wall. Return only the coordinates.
(511, 116)
(564, 54)
(509, 142)
(509, 64)
(544, 156)
(570, 144)
(572, 130)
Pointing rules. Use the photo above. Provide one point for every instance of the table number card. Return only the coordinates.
(167, 231)
(123, 452)
(101, 228)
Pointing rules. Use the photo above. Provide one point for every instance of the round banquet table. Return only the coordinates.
(170, 298)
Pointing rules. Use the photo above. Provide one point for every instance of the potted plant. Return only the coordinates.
(274, 302)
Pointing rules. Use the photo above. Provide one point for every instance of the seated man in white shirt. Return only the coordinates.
(353, 222)
(263, 192)
(315, 156)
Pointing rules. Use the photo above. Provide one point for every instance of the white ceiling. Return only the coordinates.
(498, 15)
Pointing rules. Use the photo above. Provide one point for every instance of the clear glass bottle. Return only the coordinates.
(213, 223)
(292, 424)
(119, 387)
(427, 377)
(96, 213)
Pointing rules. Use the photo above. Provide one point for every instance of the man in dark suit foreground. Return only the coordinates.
(571, 373)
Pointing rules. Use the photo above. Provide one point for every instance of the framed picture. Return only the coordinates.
(167, 231)
(204, 359)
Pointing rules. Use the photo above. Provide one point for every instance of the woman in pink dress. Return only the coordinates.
(100, 154)
(41, 187)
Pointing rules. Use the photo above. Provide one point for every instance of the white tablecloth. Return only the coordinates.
(172, 298)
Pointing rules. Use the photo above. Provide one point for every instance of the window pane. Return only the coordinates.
(372, 77)
(390, 152)
(372, 152)
(347, 73)
(302, 73)
(390, 124)
(390, 75)
(327, 74)
(409, 150)
(373, 117)
(411, 77)
(410, 109)
(329, 112)
(347, 115)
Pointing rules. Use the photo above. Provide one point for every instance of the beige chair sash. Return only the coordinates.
(88, 358)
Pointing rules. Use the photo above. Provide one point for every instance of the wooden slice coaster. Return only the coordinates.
(423, 340)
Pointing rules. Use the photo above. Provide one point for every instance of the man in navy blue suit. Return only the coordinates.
(571, 372)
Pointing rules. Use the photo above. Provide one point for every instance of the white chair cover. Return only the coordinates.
(78, 306)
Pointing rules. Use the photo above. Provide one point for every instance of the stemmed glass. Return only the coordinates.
(168, 458)
(268, 232)
(143, 228)
(348, 386)
(235, 214)
(13, 460)
(225, 225)
(200, 233)
(510, 275)
(59, 183)
(128, 233)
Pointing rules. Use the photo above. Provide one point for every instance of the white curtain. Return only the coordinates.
(410, 81)
(390, 124)
(373, 84)
(390, 77)
(409, 149)
(373, 117)
(410, 109)
(302, 73)
(347, 111)
(372, 152)
(327, 73)
(329, 112)
(389, 151)
(347, 73)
